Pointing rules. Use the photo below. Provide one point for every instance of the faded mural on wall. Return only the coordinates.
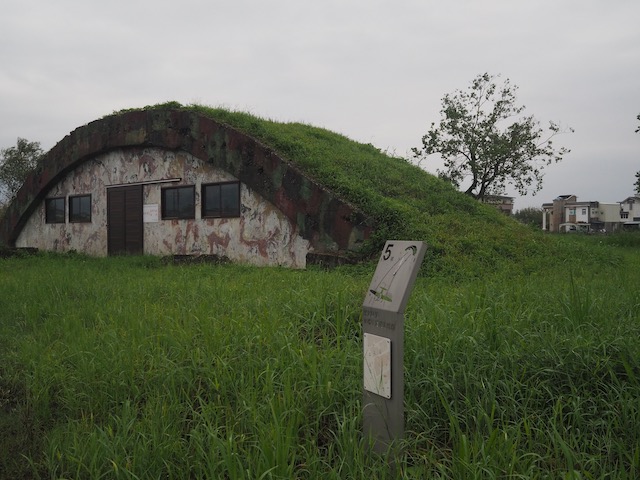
(261, 235)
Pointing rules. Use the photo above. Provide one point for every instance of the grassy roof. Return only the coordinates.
(464, 236)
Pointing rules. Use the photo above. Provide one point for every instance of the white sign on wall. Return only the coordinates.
(150, 213)
(377, 365)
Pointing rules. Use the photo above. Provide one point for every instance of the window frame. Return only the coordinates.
(74, 217)
(47, 202)
(179, 216)
(209, 212)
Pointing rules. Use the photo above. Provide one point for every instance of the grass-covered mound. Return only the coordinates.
(464, 236)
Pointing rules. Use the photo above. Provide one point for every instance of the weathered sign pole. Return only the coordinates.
(383, 328)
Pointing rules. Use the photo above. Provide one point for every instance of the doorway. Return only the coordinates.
(124, 220)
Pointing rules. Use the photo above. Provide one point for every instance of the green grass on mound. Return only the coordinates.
(465, 237)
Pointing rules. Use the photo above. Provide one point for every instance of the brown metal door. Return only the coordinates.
(124, 220)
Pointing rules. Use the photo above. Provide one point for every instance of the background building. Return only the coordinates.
(566, 214)
(502, 203)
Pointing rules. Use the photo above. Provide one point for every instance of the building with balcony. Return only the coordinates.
(567, 214)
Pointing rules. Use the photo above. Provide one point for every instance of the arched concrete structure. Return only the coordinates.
(329, 224)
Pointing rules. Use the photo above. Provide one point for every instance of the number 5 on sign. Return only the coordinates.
(394, 276)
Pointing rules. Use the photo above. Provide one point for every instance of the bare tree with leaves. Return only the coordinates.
(486, 143)
(15, 164)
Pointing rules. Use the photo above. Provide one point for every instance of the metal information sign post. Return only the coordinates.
(383, 328)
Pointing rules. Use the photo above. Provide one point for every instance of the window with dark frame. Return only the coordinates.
(178, 202)
(54, 210)
(80, 209)
(221, 200)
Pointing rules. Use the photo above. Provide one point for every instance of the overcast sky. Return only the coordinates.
(373, 70)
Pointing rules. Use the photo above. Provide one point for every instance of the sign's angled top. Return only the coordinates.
(395, 275)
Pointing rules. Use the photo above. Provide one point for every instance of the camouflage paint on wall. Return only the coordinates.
(262, 235)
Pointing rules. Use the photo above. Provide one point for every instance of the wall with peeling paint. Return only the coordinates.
(262, 235)
(331, 226)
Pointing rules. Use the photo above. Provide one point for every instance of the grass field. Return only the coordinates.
(132, 368)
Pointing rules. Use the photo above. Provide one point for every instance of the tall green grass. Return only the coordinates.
(131, 368)
(539, 379)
